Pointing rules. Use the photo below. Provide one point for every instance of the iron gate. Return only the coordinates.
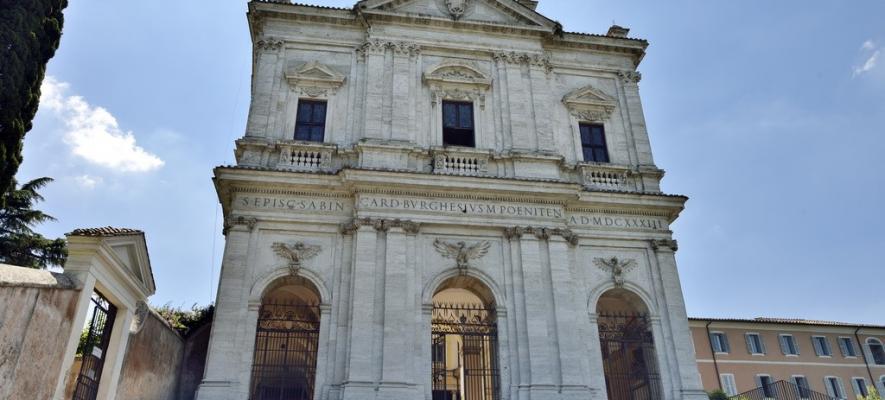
(469, 333)
(286, 343)
(94, 347)
(782, 390)
(629, 359)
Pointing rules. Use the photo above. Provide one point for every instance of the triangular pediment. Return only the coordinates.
(495, 12)
(589, 96)
(314, 73)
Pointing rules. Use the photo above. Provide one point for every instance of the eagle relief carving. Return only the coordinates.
(616, 267)
(461, 252)
(296, 254)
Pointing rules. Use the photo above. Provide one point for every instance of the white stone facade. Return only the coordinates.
(382, 188)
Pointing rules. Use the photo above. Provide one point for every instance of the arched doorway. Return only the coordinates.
(628, 350)
(286, 342)
(464, 346)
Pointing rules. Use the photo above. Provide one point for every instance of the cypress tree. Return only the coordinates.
(30, 31)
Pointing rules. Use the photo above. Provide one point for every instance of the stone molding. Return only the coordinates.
(541, 233)
(664, 245)
(269, 44)
(232, 222)
(314, 79)
(630, 76)
(589, 104)
(379, 47)
(380, 225)
(538, 60)
(457, 80)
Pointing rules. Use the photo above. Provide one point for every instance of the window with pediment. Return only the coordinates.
(591, 109)
(458, 94)
(313, 85)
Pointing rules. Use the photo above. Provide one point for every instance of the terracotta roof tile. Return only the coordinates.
(106, 231)
(788, 321)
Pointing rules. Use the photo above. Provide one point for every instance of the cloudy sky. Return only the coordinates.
(769, 115)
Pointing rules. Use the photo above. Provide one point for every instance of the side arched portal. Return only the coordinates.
(628, 348)
(286, 342)
(464, 346)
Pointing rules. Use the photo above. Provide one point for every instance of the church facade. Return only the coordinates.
(445, 200)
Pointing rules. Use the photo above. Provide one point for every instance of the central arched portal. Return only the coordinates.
(286, 342)
(464, 329)
(628, 348)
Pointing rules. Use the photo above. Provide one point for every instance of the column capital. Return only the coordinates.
(380, 225)
(239, 223)
(661, 245)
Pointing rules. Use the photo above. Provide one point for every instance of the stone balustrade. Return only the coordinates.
(607, 177)
(460, 161)
(301, 156)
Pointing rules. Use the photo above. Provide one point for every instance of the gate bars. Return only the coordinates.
(94, 347)
(628, 355)
(286, 344)
(472, 332)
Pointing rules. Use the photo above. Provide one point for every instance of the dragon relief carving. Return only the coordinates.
(296, 254)
(616, 267)
(461, 252)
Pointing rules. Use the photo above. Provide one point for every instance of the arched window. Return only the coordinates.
(464, 346)
(877, 351)
(628, 349)
(286, 342)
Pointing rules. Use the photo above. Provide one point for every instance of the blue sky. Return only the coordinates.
(769, 115)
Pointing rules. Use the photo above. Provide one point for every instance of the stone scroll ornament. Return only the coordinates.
(616, 267)
(461, 252)
(296, 254)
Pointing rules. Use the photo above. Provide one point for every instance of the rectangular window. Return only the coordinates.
(788, 345)
(877, 350)
(458, 124)
(720, 342)
(860, 387)
(834, 387)
(593, 143)
(764, 382)
(310, 123)
(728, 384)
(847, 347)
(802, 387)
(822, 346)
(755, 344)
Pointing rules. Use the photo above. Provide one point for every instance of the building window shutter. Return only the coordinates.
(828, 383)
(843, 345)
(817, 347)
(728, 384)
(762, 345)
(725, 346)
(785, 348)
(750, 347)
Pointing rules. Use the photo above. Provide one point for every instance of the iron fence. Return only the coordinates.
(782, 390)
(629, 358)
(286, 343)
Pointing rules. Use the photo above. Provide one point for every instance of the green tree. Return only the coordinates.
(19, 244)
(186, 321)
(30, 31)
(874, 394)
(718, 394)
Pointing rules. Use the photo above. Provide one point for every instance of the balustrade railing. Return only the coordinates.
(460, 162)
(305, 157)
(608, 177)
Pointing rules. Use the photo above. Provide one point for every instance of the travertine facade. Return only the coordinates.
(371, 217)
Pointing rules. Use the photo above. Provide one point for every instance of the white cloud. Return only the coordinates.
(93, 133)
(88, 182)
(871, 61)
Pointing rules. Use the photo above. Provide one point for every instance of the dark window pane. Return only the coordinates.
(310, 122)
(466, 116)
(593, 143)
(450, 115)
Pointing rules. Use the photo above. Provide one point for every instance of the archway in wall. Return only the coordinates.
(628, 349)
(286, 342)
(464, 343)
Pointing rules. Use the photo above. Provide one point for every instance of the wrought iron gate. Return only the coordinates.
(94, 347)
(286, 343)
(470, 333)
(629, 359)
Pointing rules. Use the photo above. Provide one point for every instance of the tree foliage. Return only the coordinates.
(186, 321)
(718, 394)
(19, 244)
(30, 31)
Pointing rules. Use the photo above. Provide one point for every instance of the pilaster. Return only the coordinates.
(267, 55)
(635, 117)
(690, 386)
(539, 335)
(373, 53)
(404, 55)
(360, 382)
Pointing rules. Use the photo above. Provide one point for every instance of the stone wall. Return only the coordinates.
(194, 361)
(152, 362)
(35, 306)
